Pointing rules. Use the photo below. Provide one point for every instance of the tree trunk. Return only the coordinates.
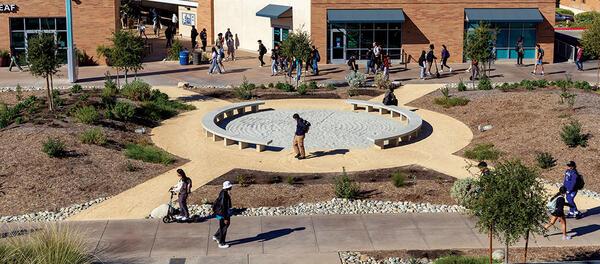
(118, 84)
(491, 245)
(526, 244)
(135, 75)
(52, 92)
(598, 74)
(126, 81)
(506, 253)
(48, 91)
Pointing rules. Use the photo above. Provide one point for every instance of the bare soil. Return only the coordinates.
(528, 122)
(534, 254)
(30, 181)
(272, 93)
(273, 189)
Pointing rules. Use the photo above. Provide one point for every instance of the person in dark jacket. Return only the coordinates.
(390, 98)
(569, 182)
(430, 57)
(483, 168)
(559, 212)
(371, 61)
(422, 65)
(299, 137)
(203, 38)
(183, 188)
(316, 57)
(194, 34)
(169, 35)
(223, 206)
(445, 56)
(262, 50)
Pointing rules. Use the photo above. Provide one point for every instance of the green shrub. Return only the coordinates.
(19, 91)
(53, 147)
(461, 87)
(87, 114)
(271, 85)
(330, 87)
(463, 260)
(483, 152)
(582, 85)
(445, 91)
(58, 101)
(465, 191)
(124, 111)
(84, 97)
(286, 87)
(352, 91)
(173, 52)
(241, 180)
(345, 187)
(541, 83)
(93, 136)
(108, 81)
(262, 86)
(586, 19)
(562, 84)
(245, 90)
(529, 86)
(448, 102)
(381, 82)
(136, 90)
(312, 85)
(356, 79)
(302, 89)
(398, 179)
(571, 134)
(485, 83)
(76, 88)
(148, 154)
(563, 11)
(109, 95)
(290, 180)
(545, 160)
(7, 115)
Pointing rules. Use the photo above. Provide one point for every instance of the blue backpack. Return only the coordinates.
(317, 56)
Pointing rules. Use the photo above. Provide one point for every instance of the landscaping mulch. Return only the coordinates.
(272, 189)
(273, 94)
(528, 122)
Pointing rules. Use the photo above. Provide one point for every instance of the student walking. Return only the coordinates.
(376, 53)
(261, 52)
(520, 51)
(230, 48)
(570, 182)
(228, 34)
(422, 62)
(174, 19)
(578, 57)
(274, 60)
(430, 57)
(302, 127)
(169, 35)
(445, 56)
(539, 59)
(203, 39)
(386, 67)
(194, 35)
(214, 61)
(556, 208)
(156, 25)
(316, 58)
(141, 29)
(183, 188)
(380, 58)
(14, 60)
(222, 209)
(219, 41)
(221, 56)
(371, 61)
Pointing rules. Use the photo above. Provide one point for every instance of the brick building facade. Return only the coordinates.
(93, 21)
(581, 5)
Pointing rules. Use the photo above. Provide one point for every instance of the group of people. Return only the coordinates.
(287, 64)
(427, 60)
(217, 54)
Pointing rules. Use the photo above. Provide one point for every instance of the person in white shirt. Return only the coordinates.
(174, 19)
(183, 188)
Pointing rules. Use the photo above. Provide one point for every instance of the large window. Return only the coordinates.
(507, 36)
(358, 37)
(279, 35)
(23, 29)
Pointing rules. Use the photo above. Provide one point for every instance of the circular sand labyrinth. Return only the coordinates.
(331, 129)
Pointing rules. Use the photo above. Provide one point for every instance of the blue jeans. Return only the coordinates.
(370, 67)
(579, 64)
(422, 71)
(274, 67)
(571, 200)
(315, 67)
(213, 65)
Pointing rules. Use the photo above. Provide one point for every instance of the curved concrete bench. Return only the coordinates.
(409, 132)
(212, 118)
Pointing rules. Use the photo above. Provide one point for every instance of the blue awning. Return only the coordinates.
(503, 15)
(273, 11)
(365, 16)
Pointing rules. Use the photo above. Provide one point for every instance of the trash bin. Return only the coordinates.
(197, 57)
(184, 57)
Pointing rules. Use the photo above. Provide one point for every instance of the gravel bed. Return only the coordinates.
(52, 216)
(33, 88)
(337, 206)
(349, 257)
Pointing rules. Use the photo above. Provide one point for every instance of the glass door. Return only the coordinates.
(338, 45)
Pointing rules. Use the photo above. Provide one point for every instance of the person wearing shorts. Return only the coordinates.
(539, 59)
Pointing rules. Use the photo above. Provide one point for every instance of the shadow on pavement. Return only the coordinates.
(262, 237)
(584, 230)
(122, 76)
(318, 154)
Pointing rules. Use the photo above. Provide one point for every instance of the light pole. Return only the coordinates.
(71, 58)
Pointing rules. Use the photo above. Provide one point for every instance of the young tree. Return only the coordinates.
(479, 43)
(126, 52)
(590, 41)
(297, 45)
(41, 55)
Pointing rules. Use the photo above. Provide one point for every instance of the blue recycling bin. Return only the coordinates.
(184, 57)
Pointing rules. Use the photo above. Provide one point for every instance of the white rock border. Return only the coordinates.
(355, 257)
(50, 216)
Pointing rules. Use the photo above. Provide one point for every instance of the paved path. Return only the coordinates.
(302, 239)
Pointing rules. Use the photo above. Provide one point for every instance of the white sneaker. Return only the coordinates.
(564, 238)
(183, 218)
(215, 239)
(441, 70)
(450, 69)
(223, 245)
(178, 217)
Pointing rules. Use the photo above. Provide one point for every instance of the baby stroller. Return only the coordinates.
(171, 212)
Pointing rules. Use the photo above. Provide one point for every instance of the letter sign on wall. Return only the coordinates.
(188, 19)
(8, 8)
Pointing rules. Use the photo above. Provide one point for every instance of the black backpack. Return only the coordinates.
(579, 182)
(390, 99)
(217, 206)
(317, 56)
(307, 124)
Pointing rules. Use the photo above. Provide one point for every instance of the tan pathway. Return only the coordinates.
(183, 136)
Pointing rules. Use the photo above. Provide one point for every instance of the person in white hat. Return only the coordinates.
(221, 208)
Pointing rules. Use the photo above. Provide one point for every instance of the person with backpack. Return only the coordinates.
(194, 35)
(316, 58)
(520, 51)
(430, 57)
(274, 59)
(371, 61)
(352, 63)
(445, 56)
(573, 182)
(220, 57)
(556, 207)
(214, 58)
(222, 210)
(302, 127)
(203, 37)
(578, 58)
(386, 67)
(230, 48)
(261, 52)
(390, 97)
(183, 188)
(422, 65)
(539, 59)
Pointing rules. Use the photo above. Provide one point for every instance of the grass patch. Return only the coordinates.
(93, 136)
(448, 102)
(463, 260)
(148, 154)
(483, 152)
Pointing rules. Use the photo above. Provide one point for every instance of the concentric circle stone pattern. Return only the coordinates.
(330, 129)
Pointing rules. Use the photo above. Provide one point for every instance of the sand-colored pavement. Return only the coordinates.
(183, 136)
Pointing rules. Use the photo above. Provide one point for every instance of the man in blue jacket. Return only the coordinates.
(299, 137)
(570, 181)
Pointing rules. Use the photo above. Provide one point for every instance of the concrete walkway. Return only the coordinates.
(301, 239)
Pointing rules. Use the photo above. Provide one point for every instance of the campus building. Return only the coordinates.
(403, 27)
(579, 6)
(93, 21)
